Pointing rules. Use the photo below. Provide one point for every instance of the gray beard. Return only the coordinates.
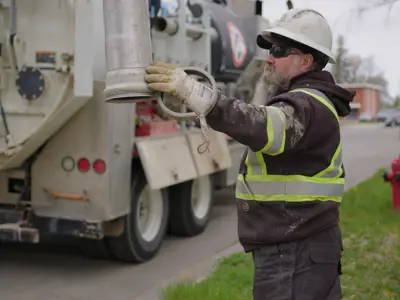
(263, 92)
(266, 88)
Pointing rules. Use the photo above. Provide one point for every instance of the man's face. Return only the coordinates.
(282, 64)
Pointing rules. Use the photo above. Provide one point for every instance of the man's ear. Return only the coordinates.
(307, 61)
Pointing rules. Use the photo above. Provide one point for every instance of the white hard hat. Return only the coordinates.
(305, 26)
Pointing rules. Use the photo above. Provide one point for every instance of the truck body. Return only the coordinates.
(120, 176)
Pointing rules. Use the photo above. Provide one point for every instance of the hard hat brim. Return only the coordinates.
(265, 41)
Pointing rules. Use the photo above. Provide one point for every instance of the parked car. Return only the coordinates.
(393, 120)
(365, 117)
(384, 113)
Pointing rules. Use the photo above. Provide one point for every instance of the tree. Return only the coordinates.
(368, 67)
(347, 65)
(374, 4)
(341, 53)
(354, 64)
(367, 72)
(351, 67)
(396, 102)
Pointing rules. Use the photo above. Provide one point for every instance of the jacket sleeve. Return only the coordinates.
(272, 129)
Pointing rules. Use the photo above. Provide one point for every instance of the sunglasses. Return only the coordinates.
(280, 52)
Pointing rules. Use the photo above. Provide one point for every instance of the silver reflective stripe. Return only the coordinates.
(334, 169)
(276, 131)
(302, 188)
(255, 163)
(276, 134)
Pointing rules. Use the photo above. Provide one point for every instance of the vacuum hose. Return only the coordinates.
(129, 51)
(189, 71)
(178, 115)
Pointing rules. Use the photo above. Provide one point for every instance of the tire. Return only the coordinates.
(94, 249)
(185, 218)
(134, 245)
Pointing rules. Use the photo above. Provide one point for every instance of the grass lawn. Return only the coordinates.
(371, 260)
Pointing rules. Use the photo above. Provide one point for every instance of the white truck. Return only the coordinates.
(72, 164)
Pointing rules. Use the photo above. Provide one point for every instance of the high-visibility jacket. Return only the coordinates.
(259, 185)
(280, 192)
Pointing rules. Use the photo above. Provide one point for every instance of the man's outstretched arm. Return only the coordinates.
(271, 129)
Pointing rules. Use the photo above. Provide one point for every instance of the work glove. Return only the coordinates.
(166, 78)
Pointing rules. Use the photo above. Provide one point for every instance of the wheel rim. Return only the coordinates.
(149, 213)
(201, 196)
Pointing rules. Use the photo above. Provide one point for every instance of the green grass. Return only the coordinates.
(371, 260)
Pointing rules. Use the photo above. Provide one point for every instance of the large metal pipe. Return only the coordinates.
(13, 32)
(167, 25)
(128, 50)
(171, 27)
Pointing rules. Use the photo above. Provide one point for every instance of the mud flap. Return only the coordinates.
(168, 160)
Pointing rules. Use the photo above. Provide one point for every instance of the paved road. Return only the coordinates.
(47, 273)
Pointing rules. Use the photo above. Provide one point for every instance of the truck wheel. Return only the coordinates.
(190, 206)
(94, 249)
(145, 226)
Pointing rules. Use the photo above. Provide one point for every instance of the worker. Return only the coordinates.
(291, 177)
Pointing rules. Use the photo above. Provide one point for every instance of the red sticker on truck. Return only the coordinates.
(238, 44)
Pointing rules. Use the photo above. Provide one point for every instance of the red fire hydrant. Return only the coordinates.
(393, 176)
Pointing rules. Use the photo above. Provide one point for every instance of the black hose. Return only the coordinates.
(3, 116)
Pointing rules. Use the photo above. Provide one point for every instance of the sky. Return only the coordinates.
(372, 34)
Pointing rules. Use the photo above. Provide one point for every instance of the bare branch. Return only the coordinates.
(377, 4)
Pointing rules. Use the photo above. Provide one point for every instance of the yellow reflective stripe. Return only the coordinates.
(340, 171)
(289, 188)
(289, 178)
(276, 131)
(248, 165)
(325, 186)
(255, 163)
(319, 98)
(284, 121)
(287, 198)
(335, 169)
(262, 163)
(298, 188)
(270, 135)
(335, 166)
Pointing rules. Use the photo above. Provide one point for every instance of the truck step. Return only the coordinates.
(15, 233)
(10, 216)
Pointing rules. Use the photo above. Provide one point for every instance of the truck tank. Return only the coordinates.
(46, 77)
(234, 47)
(70, 163)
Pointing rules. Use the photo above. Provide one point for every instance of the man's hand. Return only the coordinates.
(166, 78)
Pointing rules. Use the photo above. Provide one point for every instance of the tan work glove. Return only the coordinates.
(166, 78)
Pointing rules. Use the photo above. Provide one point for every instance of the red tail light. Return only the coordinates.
(83, 165)
(99, 166)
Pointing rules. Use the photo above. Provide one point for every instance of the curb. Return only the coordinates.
(198, 272)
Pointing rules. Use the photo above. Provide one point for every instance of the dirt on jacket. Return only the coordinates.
(312, 137)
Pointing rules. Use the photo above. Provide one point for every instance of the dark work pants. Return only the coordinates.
(304, 270)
